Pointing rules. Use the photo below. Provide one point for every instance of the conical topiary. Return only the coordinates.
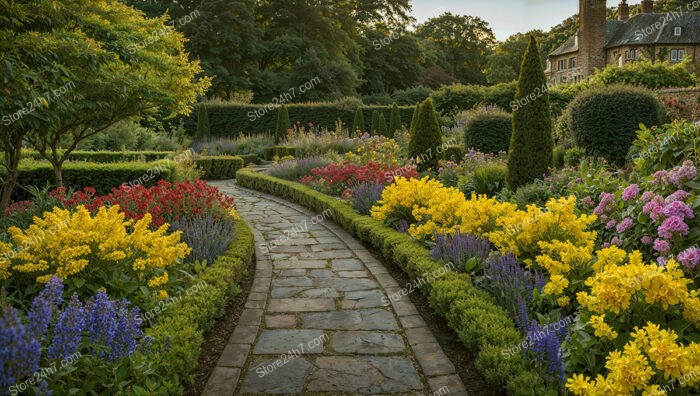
(414, 119)
(203, 128)
(426, 138)
(359, 123)
(374, 128)
(530, 155)
(382, 129)
(394, 120)
(283, 125)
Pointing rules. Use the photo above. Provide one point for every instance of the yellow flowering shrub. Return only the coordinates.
(651, 355)
(68, 245)
(565, 263)
(522, 232)
(430, 207)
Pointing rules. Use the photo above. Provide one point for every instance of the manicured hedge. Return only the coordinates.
(182, 326)
(280, 151)
(250, 158)
(232, 120)
(456, 152)
(219, 167)
(489, 132)
(471, 313)
(108, 156)
(102, 177)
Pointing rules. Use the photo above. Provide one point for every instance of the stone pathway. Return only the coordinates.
(318, 320)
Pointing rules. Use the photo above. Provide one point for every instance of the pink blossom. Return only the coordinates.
(588, 201)
(611, 224)
(682, 174)
(690, 257)
(679, 195)
(606, 200)
(630, 192)
(678, 208)
(624, 225)
(661, 246)
(647, 240)
(617, 241)
(672, 225)
(647, 196)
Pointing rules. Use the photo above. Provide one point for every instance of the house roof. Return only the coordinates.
(645, 29)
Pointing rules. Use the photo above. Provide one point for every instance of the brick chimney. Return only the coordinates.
(647, 6)
(592, 33)
(623, 11)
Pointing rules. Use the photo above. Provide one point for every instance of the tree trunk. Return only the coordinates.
(58, 173)
(12, 164)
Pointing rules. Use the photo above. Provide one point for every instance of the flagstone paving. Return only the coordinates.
(317, 320)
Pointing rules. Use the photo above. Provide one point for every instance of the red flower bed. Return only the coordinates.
(337, 178)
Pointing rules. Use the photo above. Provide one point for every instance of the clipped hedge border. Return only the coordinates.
(102, 177)
(185, 323)
(473, 314)
(279, 151)
(219, 167)
(108, 156)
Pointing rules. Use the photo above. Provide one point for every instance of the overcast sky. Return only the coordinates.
(506, 17)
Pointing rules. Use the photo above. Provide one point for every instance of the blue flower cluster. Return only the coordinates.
(110, 326)
(546, 346)
(460, 248)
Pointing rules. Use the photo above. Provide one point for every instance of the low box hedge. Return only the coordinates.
(108, 156)
(102, 177)
(250, 159)
(269, 153)
(179, 332)
(472, 313)
(219, 167)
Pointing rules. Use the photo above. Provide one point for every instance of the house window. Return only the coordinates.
(634, 54)
(677, 31)
(562, 64)
(677, 55)
(572, 63)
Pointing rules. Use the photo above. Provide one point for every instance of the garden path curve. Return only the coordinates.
(316, 321)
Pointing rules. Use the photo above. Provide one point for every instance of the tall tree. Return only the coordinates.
(530, 153)
(358, 123)
(504, 62)
(466, 42)
(394, 120)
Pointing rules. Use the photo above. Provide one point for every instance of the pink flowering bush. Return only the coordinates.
(660, 217)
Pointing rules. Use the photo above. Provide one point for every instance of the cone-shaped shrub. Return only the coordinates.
(530, 153)
(414, 119)
(394, 120)
(375, 123)
(383, 129)
(426, 137)
(283, 125)
(359, 123)
(203, 128)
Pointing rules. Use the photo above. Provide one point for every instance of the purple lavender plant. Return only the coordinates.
(364, 196)
(20, 351)
(295, 169)
(43, 307)
(100, 323)
(208, 236)
(127, 332)
(546, 348)
(460, 248)
(69, 330)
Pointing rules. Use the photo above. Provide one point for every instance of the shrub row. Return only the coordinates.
(219, 167)
(102, 177)
(480, 323)
(179, 332)
(232, 120)
(108, 156)
(489, 132)
(278, 151)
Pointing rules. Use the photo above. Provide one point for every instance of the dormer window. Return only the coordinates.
(677, 31)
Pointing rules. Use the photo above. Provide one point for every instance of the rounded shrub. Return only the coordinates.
(574, 155)
(604, 120)
(489, 179)
(488, 130)
(558, 156)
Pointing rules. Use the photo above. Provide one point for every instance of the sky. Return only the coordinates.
(506, 17)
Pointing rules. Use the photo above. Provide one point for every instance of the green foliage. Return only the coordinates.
(108, 156)
(219, 167)
(394, 120)
(182, 328)
(647, 74)
(624, 109)
(574, 155)
(283, 125)
(531, 145)
(666, 147)
(489, 179)
(480, 324)
(488, 130)
(102, 177)
(374, 126)
(382, 128)
(558, 156)
(426, 138)
(203, 128)
(278, 151)
(411, 96)
(414, 118)
(358, 124)
(454, 153)
(233, 119)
